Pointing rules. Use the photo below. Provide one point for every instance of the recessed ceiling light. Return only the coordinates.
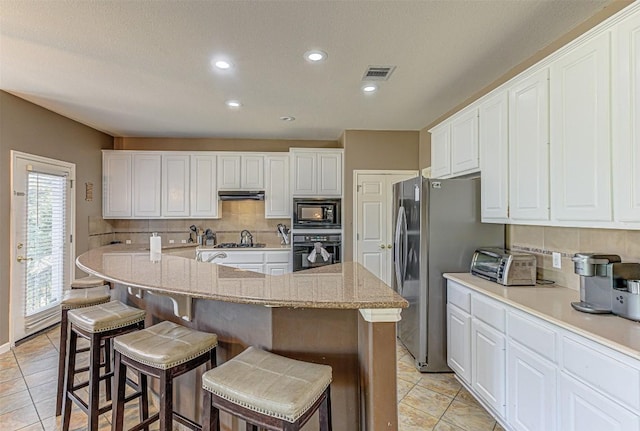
(369, 88)
(233, 103)
(288, 118)
(222, 64)
(315, 55)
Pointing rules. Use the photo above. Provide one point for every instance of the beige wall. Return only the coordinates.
(31, 129)
(217, 144)
(424, 156)
(383, 150)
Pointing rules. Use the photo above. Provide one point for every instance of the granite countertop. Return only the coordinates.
(553, 304)
(342, 286)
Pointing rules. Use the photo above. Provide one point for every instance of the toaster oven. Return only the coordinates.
(504, 266)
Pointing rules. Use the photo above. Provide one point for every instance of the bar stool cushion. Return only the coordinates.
(165, 345)
(105, 317)
(79, 298)
(88, 281)
(269, 384)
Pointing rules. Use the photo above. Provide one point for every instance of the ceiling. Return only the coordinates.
(142, 68)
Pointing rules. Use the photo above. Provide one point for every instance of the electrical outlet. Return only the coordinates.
(183, 241)
(557, 260)
(128, 241)
(171, 241)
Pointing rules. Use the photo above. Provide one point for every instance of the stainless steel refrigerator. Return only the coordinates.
(437, 228)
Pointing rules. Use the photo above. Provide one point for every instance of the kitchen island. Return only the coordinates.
(340, 315)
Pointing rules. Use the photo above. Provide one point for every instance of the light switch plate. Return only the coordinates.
(557, 260)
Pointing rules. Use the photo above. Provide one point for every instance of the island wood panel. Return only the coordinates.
(361, 354)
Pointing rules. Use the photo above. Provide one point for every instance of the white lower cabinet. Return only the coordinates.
(269, 262)
(535, 375)
(531, 390)
(488, 365)
(585, 409)
(459, 342)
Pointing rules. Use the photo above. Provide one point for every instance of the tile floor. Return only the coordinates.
(28, 375)
(436, 402)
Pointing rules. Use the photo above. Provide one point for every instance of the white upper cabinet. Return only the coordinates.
(464, 143)
(316, 173)
(203, 193)
(228, 172)
(581, 133)
(240, 172)
(330, 174)
(277, 187)
(116, 185)
(175, 185)
(146, 185)
(529, 148)
(441, 151)
(252, 172)
(494, 158)
(454, 145)
(626, 117)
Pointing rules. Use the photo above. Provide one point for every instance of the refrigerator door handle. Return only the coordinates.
(397, 253)
(405, 246)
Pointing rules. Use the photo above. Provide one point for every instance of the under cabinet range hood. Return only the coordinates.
(241, 195)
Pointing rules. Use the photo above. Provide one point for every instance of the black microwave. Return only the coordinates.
(316, 213)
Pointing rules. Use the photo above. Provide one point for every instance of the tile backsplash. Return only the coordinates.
(236, 216)
(544, 240)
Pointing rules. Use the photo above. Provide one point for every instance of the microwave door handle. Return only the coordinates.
(397, 251)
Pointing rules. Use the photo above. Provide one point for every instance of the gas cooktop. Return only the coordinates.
(237, 245)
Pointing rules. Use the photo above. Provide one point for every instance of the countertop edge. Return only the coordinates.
(267, 302)
(600, 339)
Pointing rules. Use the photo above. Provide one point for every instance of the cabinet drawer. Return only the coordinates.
(459, 296)
(489, 311)
(603, 372)
(277, 256)
(533, 335)
(244, 257)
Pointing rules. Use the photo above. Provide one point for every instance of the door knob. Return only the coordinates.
(22, 258)
(389, 246)
(382, 246)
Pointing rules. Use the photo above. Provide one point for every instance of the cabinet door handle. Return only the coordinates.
(389, 246)
(382, 246)
(22, 258)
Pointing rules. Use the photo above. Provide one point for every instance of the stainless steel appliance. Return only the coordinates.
(314, 249)
(239, 245)
(607, 285)
(246, 239)
(595, 281)
(504, 266)
(437, 228)
(241, 195)
(317, 213)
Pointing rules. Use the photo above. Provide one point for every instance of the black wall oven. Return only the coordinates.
(311, 250)
(316, 213)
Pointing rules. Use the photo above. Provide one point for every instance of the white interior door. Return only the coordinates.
(42, 217)
(373, 219)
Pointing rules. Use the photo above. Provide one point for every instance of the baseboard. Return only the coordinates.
(5, 348)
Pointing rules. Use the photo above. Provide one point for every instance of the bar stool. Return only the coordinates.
(164, 351)
(269, 391)
(99, 324)
(71, 300)
(88, 281)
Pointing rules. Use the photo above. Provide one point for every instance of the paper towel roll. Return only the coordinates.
(155, 247)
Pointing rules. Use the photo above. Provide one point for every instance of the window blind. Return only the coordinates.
(46, 246)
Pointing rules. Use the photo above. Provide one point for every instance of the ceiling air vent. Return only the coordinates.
(378, 73)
